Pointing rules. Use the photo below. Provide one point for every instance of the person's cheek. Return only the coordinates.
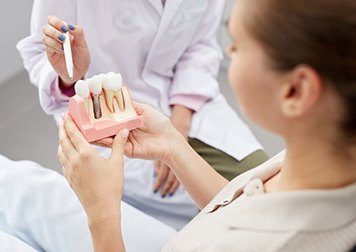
(237, 79)
(235, 76)
(232, 74)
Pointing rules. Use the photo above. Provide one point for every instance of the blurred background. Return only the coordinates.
(26, 132)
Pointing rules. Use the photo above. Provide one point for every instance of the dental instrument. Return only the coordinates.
(68, 54)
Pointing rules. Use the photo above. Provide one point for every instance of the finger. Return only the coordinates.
(139, 107)
(119, 146)
(53, 33)
(67, 149)
(52, 44)
(57, 23)
(51, 52)
(63, 160)
(157, 168)
(61, 156)
(78, 36)
(161, 177)
(174, 188)
(106, 142)
(75, 136)
(67, 174)
(171, 178)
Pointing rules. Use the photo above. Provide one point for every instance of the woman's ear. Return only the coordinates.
(301, 91)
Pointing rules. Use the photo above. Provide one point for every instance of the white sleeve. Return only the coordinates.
(34, 55)
(197, 69)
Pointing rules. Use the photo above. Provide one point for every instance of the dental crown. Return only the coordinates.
(82, 89)
(112, 81)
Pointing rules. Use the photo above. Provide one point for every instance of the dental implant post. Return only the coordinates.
(95, 86)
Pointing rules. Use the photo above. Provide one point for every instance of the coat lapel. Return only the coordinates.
(170, 9)
(157, 4)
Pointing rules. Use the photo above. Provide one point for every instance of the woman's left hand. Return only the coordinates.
(98, 182)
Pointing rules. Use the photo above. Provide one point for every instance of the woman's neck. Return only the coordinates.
(314, 165)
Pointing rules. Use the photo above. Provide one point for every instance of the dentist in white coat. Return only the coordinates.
(169, 58)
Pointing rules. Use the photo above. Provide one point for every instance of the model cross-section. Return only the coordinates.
(102, 107)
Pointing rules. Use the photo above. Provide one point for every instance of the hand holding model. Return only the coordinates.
(102, 107)
(156, 139)
(54, 37)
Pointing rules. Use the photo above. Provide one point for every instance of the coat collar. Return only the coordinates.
(157, 4)
(235, 188)
(309, 210)
(170, 9)
(168, 12)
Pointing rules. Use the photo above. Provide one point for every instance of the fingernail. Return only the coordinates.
(163, 196)
(155, 191)
(72, 27)
(154, 174)
(171, 194)
(64, 28)
(124, 133)
(61, 37)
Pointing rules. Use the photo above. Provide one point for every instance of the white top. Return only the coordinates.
(166, 56)
(244, 218)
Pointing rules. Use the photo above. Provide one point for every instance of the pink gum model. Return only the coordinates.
(96, 129)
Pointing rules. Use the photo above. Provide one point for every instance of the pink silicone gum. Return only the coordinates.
(101, 128)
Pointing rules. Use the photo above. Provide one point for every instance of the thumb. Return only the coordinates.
(78, 33)
(118, 146)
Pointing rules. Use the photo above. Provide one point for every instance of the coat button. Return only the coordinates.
(254, 187)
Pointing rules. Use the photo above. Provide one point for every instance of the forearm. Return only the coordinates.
(105, 228)
(182, 118)
(200, 180)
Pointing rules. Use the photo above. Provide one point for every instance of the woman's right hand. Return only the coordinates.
(155, 140)
(54, 38)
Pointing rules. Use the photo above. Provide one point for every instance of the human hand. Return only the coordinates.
(166, 181)
(157, 139)
(98, 182)
(54, 38)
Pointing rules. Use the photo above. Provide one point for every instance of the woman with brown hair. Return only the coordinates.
(293, 70)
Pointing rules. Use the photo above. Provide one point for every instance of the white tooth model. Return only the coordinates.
(112, 84)
(102, 113)
(82, 89)
(95, 87)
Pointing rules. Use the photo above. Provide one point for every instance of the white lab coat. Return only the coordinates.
(161, 54)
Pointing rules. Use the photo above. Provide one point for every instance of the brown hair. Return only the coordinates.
(319, 33)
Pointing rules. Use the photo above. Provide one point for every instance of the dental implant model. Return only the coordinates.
(95, 87)
(102, 107)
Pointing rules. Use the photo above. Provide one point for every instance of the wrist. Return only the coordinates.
(66, 88)
(101, 213)
(181, 118)
(182, 110)
(178, 144)
(65, 84)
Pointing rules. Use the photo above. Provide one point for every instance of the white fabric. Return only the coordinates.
(161, 53)
(242, 217)
(38, 207)
(13, 244)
